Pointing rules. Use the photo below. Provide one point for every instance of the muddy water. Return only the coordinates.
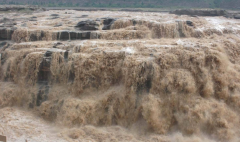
(140, 82)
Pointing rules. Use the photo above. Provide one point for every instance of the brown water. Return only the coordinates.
(155, 86)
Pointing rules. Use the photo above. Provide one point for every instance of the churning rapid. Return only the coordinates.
(119, 76)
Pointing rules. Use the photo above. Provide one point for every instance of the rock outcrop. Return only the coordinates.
(88, 25)
(20, 8)
(6, 33)
(107, 22)
(199, 12)
(6, 22)
(237, 16)
(207, 12)
(75, 35)
(4, 45)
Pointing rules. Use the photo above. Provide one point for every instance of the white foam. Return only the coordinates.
(129, 50)
(180, 42)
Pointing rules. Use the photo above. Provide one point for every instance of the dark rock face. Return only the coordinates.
(6, 33)
(42, 94)
(232, 14)
(229, 15)
(237, 16)
(199, 12)
(52, 18)
(44, 68)
(48, 54)
(86, 35)
(70, 35)
(55, 15)
(44, 76)
(94, 35)
(33, 19)
(20, 7)
(189, 23)
(88, 25)
(4, 45)
(84, 16)
(58, 25)
(7, 28)
(7, 22)
(107, 23)
(67, 35)
(24, 25)
(66, 55)
(34, 36)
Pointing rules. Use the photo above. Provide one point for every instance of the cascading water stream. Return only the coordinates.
(139, 79)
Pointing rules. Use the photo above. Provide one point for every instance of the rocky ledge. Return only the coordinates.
(207, 12)
(199, 12)
(20, 8)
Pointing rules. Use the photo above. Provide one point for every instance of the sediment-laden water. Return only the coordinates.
(120, 76)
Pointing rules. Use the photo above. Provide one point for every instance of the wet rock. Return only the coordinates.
(107, 23)
(8, 22)
(70, 35)
(24, 25)
(84, 16)
(55, 15)
(44, 73)
(6, 33)
(67, 35)
(36, 36)
(71, 74)
(86, 35)
(64, 35)
(33, 19)
(134, 22)
(66, 55)
(189, 23)
(52, 18)
(48, 54)
(94, 35)
(3, 55)
(21, 8)
(42, 94)
(237, 16)
(98, 19)
(5, 20)
(58, 25)
(229, 15)
(88, 25)
(200, 12)
(57, 43)
(4, 45)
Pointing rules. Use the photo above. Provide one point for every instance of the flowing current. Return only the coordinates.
(149, 77)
